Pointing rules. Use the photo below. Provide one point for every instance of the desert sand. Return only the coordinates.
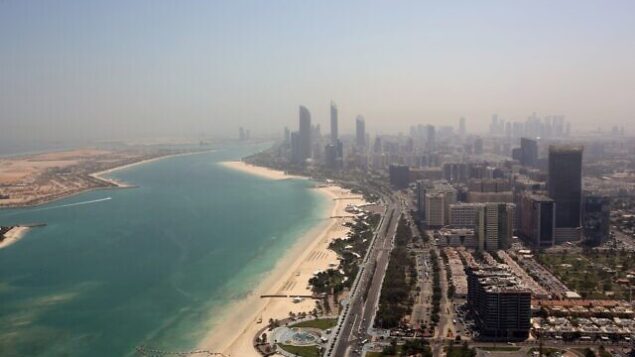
(37, 179)
(234, 334)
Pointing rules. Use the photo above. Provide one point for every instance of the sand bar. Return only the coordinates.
(234, 331)
(13, 236)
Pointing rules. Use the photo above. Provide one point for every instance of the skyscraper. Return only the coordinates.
(565, 188)
(295, 147)
(287, 136)
(431, 137)
(330, 156)
(360, 131)
(528, 152)
(537, 218)
(399, 176)
(478, 146)
(304, 134)
(498, 226)
(596, 219)
(334, 133)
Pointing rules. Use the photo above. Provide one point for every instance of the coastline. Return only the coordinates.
(263, 172)
(233, 332)
(109, 183)
(100, 175)
(14, 235)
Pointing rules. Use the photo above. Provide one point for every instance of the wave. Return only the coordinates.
(75, 204)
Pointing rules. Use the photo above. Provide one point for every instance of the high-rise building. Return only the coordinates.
(492, 222)
(431, 137)
(465, 214)
(304, 134)
(498, 224)
(360, 131)
(455, 172)
(287, 136)
(478, 146)
(537, 220)
(437, 199)
(565, 188)
(422, 189)
(399, 176)
(330, 156)
(435, 209)
(596, 219)
(462, 130)
(528, 152)
(377, 145)
(296, 156)
(334, 130)
(500, 302)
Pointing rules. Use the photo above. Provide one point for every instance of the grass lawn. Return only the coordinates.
(322, 324)
(302, 351)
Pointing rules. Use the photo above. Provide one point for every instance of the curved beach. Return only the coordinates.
(234, 332)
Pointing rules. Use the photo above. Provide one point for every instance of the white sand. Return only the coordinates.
(259, 171)
(101, 175)
(238, 326)
(13, 236)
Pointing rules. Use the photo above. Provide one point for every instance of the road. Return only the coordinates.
(362, 307)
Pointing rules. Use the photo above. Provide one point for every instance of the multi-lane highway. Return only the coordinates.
(363, 303)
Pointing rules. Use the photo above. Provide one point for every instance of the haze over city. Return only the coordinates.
(317, 178)
(76, 70)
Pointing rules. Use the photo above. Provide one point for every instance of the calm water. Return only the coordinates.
(149, 265)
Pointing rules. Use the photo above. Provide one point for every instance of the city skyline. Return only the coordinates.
(301, 178)
(87, 70)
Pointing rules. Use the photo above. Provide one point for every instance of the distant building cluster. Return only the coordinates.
(553, 126)
(500, 206)
(522, 180)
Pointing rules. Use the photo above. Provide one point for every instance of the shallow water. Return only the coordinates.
(115, 269)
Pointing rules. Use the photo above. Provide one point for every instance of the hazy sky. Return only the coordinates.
(113, 69)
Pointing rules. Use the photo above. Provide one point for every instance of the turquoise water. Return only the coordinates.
(149, 265)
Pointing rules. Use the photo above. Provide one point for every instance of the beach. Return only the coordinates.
(33, 180)
(234, 332)
(102, 175)
(259, 171)
(13, 236)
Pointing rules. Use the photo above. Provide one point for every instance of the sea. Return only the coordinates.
(151, 266)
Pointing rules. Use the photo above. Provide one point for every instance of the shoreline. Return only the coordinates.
(109, 183)
(233, 332)
(99, 175)
(13, 235)
(260, 171)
